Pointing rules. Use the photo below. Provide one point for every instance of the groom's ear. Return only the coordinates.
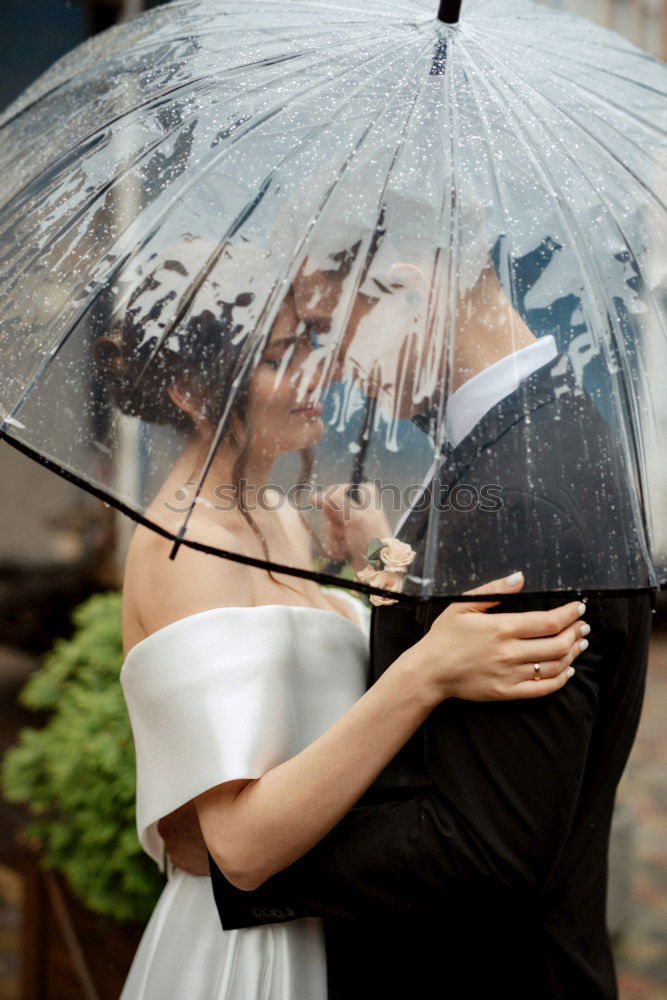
(408, 276)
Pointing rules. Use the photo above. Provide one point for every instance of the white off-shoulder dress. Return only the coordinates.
(221, 695)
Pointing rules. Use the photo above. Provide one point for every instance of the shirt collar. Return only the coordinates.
(466, 407)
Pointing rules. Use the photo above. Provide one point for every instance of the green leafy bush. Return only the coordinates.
(77, 774)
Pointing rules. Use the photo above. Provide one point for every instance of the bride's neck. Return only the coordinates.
(220, 476)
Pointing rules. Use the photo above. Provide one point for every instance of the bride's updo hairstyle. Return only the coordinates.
(186, 325)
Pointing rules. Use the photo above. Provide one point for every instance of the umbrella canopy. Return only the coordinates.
(291, 245)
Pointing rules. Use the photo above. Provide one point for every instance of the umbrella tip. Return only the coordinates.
(449, 11)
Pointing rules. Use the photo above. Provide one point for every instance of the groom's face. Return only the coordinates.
(374, 338)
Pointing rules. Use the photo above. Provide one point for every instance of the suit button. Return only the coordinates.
(273, 915)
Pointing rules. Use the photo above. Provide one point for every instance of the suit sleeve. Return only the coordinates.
(507, 779)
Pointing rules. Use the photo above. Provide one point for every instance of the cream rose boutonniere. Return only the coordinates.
(388, 562)
(395, 554)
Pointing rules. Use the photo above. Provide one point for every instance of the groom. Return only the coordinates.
(477, 861)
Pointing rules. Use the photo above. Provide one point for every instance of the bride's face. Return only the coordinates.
(284, 399)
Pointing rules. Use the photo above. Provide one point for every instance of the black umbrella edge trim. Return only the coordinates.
(325, 579)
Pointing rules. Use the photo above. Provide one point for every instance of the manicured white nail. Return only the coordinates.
(582, 609)
(515, 578)
(570, 671)
(583, 645)
(585, 629)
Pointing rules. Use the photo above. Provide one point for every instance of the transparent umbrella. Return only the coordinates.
(248, 251)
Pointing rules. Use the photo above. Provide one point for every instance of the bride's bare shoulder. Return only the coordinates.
(158, 590)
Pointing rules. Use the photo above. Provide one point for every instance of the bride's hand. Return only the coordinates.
(351, 521)
(478, 657)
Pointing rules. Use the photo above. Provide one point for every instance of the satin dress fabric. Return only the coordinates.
(217, 696)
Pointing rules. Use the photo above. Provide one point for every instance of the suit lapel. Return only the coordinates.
(545, 385)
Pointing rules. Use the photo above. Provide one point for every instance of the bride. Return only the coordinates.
(247, 688)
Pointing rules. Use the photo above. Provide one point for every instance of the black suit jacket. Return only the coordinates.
(478, 858)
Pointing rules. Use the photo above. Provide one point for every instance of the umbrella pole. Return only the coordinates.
(362, 444)
(334, 566)
(449, 11)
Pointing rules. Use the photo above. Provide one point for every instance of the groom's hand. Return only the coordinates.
(183, 839)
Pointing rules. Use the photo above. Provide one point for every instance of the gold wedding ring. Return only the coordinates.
(537, 676)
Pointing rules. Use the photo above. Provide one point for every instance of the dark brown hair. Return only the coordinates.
(206, 353)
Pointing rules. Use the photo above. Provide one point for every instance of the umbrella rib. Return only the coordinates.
(445, 361)
(80, 213)
(590, 138)
(355, 284)
(290, 35)
(114, 181)
(7, 119)
(251, 353)
(320, 9)
(534, 154)
(499, 196)
(521, 84)
(238, 137)
(450, 289)
(589, 272)
(148, 104)
(567, 52)
(22, 194)
(622, 78)
(604, 100)
(331, 45)
(361, 266)
(160, 95)
(90, 45)
(580, 86)
(652, 305)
